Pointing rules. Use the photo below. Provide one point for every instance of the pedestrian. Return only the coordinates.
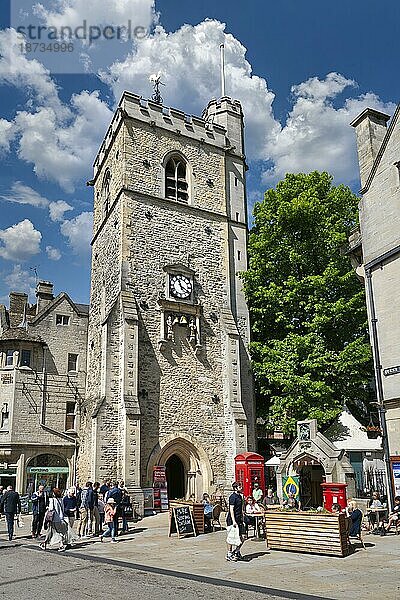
(96, 514)
(105, 487)
(86, 509)
(126, 509)
(235, 526)
(116, 493)
(110, 511)
(69, 506)
(40, 503)
(59, 533)
(101, 505)
(10, 506)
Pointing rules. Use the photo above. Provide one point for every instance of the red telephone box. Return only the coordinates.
(334, 493)
(249, 468)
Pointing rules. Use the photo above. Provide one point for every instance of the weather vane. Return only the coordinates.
(156, 81)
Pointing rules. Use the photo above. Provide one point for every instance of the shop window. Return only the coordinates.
(62, 319)
(72, 362)
(70, 416)
(9, 358)
(25, 358)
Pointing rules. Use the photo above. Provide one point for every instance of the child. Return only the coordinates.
(110, 510)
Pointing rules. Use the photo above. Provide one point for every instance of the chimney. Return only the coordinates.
(44, 295)
(18, 302)
(370, 128)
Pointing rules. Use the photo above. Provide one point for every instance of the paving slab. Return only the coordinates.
(369, 573)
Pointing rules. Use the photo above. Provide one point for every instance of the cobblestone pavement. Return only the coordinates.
(146, 562)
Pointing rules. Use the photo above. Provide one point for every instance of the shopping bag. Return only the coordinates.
(233, 537)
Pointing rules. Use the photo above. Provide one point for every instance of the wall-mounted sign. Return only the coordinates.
(396, 477)
(42, 470)
(391, 371)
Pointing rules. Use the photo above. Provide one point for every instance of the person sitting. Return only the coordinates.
(257, 492)
(356, 517)
(251, 508)
(270, 499)
(336, 509)
(192, 498)
(291, 502)
(208, 512)
(373, 515)
(394, 515)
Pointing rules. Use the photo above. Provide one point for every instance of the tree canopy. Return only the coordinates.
(310, 348)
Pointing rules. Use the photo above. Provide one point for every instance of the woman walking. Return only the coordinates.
(70, 504)
(59, 533)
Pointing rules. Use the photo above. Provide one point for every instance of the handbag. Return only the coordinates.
(49, 516)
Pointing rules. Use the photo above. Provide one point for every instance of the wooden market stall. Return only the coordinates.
(319, 533)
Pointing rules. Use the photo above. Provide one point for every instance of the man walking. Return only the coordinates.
(40, 503)
(234, 520)
(96, 515)
(10, 505)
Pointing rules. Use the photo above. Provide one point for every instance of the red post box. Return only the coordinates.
(334, 493)
(249, 468)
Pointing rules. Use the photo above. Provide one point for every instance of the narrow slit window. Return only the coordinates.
(70, 416)
(72, 362)
(176, 184)
(106, 192)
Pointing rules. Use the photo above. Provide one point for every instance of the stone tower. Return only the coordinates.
(169, 380)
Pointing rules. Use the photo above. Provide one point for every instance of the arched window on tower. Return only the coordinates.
(176, 180)
(105, 192)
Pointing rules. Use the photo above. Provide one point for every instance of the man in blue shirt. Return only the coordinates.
(234, 520)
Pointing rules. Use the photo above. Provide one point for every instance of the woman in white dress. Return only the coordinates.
(59, 533)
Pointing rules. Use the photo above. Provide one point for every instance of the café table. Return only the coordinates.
(380, 512)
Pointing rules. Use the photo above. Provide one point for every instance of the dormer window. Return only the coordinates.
(105, 192)
(176, 179)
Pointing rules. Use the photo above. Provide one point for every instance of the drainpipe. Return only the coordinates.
(60, 434)
(379, 387)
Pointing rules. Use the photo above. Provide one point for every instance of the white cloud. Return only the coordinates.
(57, 210)
(53, 253)
(63, 149)
(20, 241)
(23, 194)
(78, 231)
(21, 280)
(72, 13)
(30, 75)
(59, 140)
(189, 61)
(316, 135)
(7, 133)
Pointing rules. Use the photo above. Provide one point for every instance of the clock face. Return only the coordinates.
(180, 286)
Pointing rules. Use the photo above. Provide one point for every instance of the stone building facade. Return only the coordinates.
(375, 249)
(43, 351)
(169, 380)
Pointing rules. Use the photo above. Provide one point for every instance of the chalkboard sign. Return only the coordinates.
(181, 521)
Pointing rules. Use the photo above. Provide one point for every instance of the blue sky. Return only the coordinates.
(301, 70)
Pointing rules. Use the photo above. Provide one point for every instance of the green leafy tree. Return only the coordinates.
(310, 348)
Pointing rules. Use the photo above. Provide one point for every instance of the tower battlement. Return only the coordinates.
(135, 107)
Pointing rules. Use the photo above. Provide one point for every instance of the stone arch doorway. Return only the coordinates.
(176, 477)
(182, 453)
(312, 474)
